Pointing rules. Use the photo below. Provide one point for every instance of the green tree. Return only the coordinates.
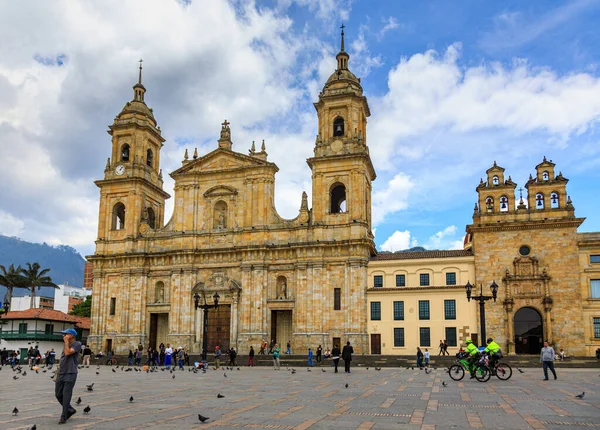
(11, 278)
(83, 309)
(36, 278)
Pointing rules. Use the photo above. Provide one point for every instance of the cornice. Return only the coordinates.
(396, 290)
(526, 225)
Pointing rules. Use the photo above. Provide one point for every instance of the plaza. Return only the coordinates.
(392, 398)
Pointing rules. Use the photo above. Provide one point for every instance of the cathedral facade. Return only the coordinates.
(300, 280)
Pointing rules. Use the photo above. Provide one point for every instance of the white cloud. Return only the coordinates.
(398, 241)
(393, 198)
(323, 9)
(362, 61)
(444, 239)
(9, 225)
(389, 23)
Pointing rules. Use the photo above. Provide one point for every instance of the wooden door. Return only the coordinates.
(218, 328)
(375, 344)
(153, 329)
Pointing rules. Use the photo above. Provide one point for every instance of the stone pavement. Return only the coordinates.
(260, 398)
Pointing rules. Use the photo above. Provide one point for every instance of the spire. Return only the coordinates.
(342, 27)
(140, 78)
(139, 89)
(342, 56)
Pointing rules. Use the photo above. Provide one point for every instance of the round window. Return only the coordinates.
(524, 250)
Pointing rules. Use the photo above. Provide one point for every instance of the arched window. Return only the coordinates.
(149, 157)
(489, 204)
(545, 176)
(159, 292)
(151, 218)
(118, 217)
(125, 152)
(220, 215)
(495, 180)
(503, 204)
(338, 199)
(338, 126)
(539, 201)
(554, 200)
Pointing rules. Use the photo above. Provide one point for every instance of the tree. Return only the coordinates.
(36, 278)
(83, 309)
(11, 278)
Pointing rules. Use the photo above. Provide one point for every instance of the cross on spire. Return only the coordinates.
(342, 27)
(140, 79)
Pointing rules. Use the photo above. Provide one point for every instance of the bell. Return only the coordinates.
(540, 202)
(554, 199)
(503, 206)
(339, 128)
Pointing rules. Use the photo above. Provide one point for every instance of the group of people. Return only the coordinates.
(33, 357)
(164, 355)
(443, 348)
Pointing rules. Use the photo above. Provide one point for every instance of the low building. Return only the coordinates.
(416, 299)
(20, 330)
(67, 296)
(23, 303)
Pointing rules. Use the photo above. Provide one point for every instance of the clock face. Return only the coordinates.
(120, 169)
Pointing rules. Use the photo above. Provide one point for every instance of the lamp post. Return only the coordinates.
(205, 307)
(482, 299)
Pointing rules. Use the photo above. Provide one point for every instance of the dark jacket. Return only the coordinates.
(335, 352)
(347, 353)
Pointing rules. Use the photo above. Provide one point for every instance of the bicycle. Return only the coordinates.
(111, 361)
(501, 370)
(457, 371)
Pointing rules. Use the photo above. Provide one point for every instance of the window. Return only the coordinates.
(338, 199)
(49, 329)
(118, 217)
(597, 328)
(338, 126)
(524, 250)
(451, 336)
(398, 311)
(149, 158)
(424, 337)
(423, 309)
(125, 153)
(545, 176)
(399, 337)
(378, 281)
(495, 180)
(375, 311)
(22, 328)
(337, 299)
(594, 258)
(450, 309)
(554, 201)
(424, 279)
(539, 198)
(595, 288)
(400, 280)
(113, 305)
(489, 204)
(451, 278)
(151, 218)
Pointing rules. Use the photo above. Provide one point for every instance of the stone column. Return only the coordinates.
(508, 306)
(234, 319)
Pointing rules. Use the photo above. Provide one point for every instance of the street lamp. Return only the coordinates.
(482, 299)
(205, 307)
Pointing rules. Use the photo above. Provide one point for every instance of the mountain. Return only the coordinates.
(65, 263)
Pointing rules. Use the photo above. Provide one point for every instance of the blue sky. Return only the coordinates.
(452, 86)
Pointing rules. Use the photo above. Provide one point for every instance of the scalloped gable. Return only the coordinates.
(221, 160)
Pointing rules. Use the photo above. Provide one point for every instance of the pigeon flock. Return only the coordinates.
(20, 372)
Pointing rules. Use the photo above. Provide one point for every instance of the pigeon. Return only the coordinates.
(43, 371)
(427, 371)
(220, 396)
(412, 368)
(15, 411)
(130, 399)
(15, 377)
(238, 368)
(346, 385)
(37, 371)
(579, 396)
(33, 428)
(202, 418)
(97, 373)
(520, 371)
(90, 387)
(323, 370)
(444, 383)
(24, 373)
(378, 368)
(367, 368)
(114, 371)
(78, 401)
(308, 369)
(225, 374)
(173, 376)
(293, 372)
(87, 409)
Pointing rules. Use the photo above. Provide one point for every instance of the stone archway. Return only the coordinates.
(528, 331)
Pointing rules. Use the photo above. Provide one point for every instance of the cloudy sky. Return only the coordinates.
(451, 88)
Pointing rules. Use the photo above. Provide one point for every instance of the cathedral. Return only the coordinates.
(300, 280)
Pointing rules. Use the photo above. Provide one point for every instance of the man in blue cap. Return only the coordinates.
(67, 373)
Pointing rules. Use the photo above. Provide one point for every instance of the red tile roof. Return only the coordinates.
(48, 315)
(423, 254)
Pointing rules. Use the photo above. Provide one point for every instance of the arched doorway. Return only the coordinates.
(529, 331)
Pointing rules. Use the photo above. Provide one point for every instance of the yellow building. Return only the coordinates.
(416, 299)
(300, 280)
(589, 263)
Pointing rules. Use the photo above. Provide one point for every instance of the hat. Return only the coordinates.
(216, 347)
(69, 331)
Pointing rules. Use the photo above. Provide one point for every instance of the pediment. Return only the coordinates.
(220, 160)
(220, 190)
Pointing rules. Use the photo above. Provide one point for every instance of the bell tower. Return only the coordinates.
(341, 167)
(132, 199)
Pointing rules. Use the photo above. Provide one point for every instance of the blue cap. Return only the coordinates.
(69, 331)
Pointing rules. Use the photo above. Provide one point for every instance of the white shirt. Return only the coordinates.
(169, 351)
(426, 354)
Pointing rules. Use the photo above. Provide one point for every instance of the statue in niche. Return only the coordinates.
(281, 288)
(221, 219)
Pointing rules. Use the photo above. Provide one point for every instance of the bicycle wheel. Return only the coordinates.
(503, 371)
(456, 372)
(483, 374)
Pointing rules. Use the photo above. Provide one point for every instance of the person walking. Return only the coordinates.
(168, 358)
(441, 348)
(276, 352)
(263, 347)
(251, 357)
(130, 358)
(419, 358)
(66, 374)
(335, 357)
(87, 354)
(180, 357)
(426, 355)
(310, 358)
(52, 357)
(347, 356)
(217, 356)
(232, 356)
(446, 347)
(288, 348)
(547, 360)
(319, 354)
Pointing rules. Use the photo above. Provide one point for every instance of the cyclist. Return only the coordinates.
(493, 349)
(473, 354)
